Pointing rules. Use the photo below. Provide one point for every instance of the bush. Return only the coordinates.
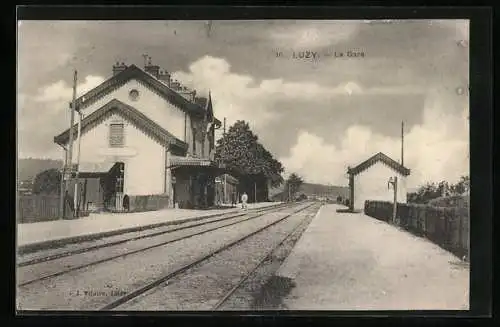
(47, 182)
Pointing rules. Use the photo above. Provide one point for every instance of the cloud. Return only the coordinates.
(436, 150)
(47, 108)
(61, 91)
(238, 96)
(234, 96)
(323, 98)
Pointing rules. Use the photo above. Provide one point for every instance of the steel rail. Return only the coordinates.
(93, 263)
(158, 281)
(135, 238)
(259, 264)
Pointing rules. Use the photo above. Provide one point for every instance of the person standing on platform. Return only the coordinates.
(126, 203)
(244, 199)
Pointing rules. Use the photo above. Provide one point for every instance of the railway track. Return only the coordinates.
(47, 267)
(107, 241)
(140, 297)
(244, 295)
(99, 285)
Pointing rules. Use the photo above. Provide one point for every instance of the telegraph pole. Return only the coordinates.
(402, 143)
(224, 149)
(70, 145)
(77, 184)
(61, 186)
(395, 207)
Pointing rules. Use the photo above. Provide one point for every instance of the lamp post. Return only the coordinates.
(394, 182)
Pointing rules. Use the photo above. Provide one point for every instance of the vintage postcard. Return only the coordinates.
(243, 165)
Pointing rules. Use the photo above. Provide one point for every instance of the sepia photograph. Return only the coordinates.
(242, 165)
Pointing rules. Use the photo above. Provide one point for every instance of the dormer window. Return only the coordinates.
(116, 135)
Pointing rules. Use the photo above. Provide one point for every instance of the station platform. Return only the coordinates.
(46, 234)
(347, 261)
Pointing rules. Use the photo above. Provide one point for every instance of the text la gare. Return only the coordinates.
(350, 54)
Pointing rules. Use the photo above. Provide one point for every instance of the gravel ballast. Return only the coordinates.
(201, 287)
(93, 287)
(31, 272)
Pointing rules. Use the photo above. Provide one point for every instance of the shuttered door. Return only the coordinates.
(116, 137)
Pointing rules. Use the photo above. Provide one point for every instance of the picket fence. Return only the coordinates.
(35, 208)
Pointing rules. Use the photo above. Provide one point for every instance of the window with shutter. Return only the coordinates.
(193, 134)
(116, 135)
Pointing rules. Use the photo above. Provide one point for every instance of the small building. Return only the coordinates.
(370, 181)
(146, 137)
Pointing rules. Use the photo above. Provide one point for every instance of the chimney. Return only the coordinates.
(187, 94)
(153, 70)
(176, 86)
(165, 77)
(201, 101)
(118, 68)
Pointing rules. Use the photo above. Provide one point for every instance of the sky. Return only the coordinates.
(318, 114)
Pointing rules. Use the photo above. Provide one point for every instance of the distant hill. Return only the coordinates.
(275, 190)
(28, 168)
(311, 189)
(326, 190)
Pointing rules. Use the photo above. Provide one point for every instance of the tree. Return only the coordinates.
(47, 182)
(443, 188)
(426, 192)
(432, 190)
(462, 186)
(293, 184)
(249, 160)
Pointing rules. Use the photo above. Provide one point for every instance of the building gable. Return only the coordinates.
(133, 72)
(382, 158)
(133, 115)
(138, 95)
